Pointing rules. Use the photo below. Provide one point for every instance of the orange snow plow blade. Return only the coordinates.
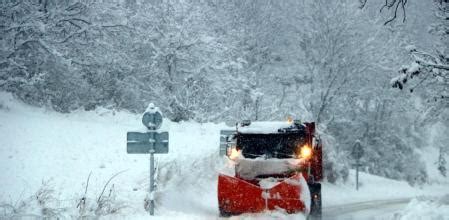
(237, 196)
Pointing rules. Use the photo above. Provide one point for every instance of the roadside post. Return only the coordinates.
(357, 153)
(150, 142)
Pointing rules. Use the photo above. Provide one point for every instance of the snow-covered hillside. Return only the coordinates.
(47, 157)
(41, 148)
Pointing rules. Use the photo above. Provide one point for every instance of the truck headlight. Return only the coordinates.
(233, 153)
(306, 151)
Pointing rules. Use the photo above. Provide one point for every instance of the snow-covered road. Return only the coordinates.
(376, 209)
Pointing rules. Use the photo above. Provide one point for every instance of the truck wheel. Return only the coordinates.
(224, 214)
(315, 204)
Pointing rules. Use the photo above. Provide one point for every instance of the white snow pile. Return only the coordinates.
(265, 127)
(426, 208)
(268, 183)
(153, 109)
(250, 168)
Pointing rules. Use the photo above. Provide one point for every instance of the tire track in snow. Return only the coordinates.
(365, 210)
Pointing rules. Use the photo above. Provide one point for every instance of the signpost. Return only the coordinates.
(357, 153)
(150, 142)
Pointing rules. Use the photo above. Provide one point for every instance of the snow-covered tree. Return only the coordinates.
(324, 61)
(429, 67)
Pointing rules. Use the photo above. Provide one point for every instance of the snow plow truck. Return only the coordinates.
(278, 166)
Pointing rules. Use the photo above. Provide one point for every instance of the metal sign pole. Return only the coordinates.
(152, 151)
(357, 175)
(357, 153)
(151, 142)
(152, 182)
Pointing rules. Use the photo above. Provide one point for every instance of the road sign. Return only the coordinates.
(150, 142)
(357, 150)
(225, 140)
(152, 118)
(147, 142)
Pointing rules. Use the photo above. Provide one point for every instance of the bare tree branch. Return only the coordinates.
(395, 3)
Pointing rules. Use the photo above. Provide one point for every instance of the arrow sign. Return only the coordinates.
(145, 142)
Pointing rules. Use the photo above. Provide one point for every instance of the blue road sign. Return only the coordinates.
(147, 142)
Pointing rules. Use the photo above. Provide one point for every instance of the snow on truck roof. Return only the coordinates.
(264, 127)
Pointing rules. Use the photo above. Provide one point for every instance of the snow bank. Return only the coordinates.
(372, 188)
(426, 208)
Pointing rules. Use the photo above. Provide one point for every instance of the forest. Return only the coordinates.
(368, 70)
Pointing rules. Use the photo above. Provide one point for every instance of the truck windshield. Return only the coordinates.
(279, 145)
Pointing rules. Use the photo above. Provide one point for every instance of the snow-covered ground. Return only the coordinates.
(47, 157)
(426, 208)
(375, 188)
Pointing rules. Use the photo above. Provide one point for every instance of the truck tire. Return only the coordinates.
(315, 204)
(224, 214)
